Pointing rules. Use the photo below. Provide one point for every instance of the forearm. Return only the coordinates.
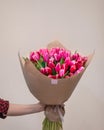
(20, 109)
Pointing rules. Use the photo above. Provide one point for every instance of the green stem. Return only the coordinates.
(51, 125)
(39, 64)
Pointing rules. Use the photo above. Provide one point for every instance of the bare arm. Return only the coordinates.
(21, 109)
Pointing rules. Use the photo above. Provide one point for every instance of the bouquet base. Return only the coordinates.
(54, 117)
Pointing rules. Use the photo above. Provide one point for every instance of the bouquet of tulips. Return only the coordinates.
(57, 62)
(51, 75)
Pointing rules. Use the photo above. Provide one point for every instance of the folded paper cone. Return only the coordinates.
(46, 90)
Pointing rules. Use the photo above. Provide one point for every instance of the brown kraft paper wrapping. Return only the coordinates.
(46, 90)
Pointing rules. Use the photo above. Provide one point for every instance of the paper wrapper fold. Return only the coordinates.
(46, 90)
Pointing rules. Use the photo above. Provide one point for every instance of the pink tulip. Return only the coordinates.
(52, 52)
(73, 62)
(54, 76)
(48, 70)
(79, 70)
(45, 54)
(57, 57)
(61, 53)
(67, 60)
(65, 66)
(84, 59)
(73, 68)
(79, 64)
(42, 70)
(67, 76)
(66, 54)
(75, 56)
(31, 56)
(50, 76)
(42, 51)
(51, 64)
(79, 59)
(58, 67)
(34, 56)
(46, 57)
(61, 72)
(51, 59)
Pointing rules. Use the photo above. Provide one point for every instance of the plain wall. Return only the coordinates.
(32, 24)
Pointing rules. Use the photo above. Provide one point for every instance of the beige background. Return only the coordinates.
(31, 24)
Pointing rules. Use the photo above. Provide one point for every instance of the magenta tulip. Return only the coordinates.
(54, 76)
(51, 65)
(79, 70)
(34, 56)
(57, 57)
(48, 70)
(75, 56)
(62, 72)
(65, 66)
(42, 70)
(73, 68)
(58, 67)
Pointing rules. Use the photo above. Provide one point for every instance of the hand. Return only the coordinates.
(39, 107)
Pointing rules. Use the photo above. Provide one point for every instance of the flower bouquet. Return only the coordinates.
(51, 75)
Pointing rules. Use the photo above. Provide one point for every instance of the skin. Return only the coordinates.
(22, 109)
